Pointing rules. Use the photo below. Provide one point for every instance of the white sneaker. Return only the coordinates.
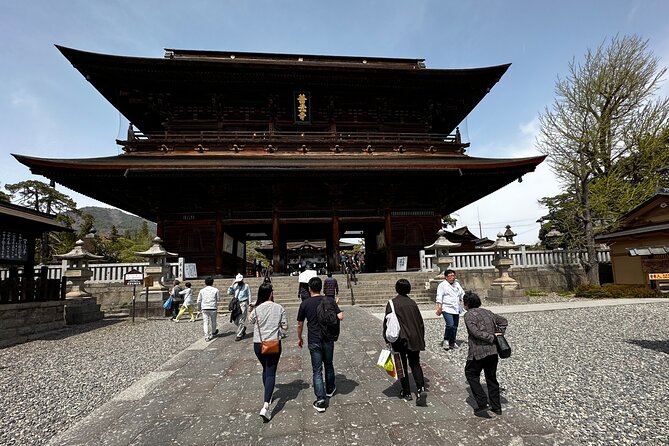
(265, 414)
(454, 346)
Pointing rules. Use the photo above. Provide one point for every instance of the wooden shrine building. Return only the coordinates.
(228, 147)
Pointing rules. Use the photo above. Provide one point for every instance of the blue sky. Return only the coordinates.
(49, 110)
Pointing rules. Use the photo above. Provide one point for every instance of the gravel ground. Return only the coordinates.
(49, 384)
(599, 375)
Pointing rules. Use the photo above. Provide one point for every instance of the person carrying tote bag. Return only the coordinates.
(483, 326)
(269, 319)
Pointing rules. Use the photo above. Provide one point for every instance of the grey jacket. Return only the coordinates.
(481, 328)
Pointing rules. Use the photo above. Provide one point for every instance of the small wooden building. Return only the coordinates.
(640, 247)
(227, 147)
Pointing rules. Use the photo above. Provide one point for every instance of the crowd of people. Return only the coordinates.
(320, 312)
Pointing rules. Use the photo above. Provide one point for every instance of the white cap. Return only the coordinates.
(238, 278)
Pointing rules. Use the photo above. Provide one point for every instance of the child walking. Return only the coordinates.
(187, 304)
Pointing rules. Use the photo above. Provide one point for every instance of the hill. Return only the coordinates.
(105, 218)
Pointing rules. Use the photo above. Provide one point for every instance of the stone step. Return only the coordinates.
(372, 289)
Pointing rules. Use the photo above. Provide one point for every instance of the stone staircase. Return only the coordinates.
(372, 290)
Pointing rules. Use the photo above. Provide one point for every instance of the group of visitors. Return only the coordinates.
(323, 316)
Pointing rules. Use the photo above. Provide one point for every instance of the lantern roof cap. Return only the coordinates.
(78, 252)
(442, 242)
(156, 250)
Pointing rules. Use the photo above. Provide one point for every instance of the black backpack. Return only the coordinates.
(326, 312)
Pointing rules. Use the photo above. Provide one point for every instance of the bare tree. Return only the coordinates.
(603, 105)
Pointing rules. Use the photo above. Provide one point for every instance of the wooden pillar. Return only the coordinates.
(219, 245)
(333, 261)
(160, 229)
(276, 243)
(389, 240)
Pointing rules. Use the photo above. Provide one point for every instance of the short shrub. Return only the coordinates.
(611, 291)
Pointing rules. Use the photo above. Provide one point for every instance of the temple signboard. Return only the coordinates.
(13, 246)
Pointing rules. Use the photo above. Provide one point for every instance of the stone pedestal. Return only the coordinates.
(82, 310)
(506, 294)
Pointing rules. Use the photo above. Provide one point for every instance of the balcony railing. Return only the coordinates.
(311, 140)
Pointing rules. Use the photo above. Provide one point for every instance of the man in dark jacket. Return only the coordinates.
(482, 325)
(410, 342)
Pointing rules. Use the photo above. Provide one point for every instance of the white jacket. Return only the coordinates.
(208, 298)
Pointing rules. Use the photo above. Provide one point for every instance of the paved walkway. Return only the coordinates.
(210, 394)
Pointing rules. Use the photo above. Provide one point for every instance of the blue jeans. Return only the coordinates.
(451, 327)
(321, 355)
(269, 364)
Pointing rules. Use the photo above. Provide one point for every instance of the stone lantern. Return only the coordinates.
(158, 269)
(77, 270)
(504, 289)
(441, 246)
(80, 306)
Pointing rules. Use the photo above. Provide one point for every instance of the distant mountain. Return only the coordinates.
(105, 218)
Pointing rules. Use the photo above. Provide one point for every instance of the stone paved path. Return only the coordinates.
(210, 394)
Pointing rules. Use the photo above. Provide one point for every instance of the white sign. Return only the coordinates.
(190, 271)
(401, 263)
(133, 278)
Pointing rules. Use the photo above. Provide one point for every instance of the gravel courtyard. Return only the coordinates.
(600, 375)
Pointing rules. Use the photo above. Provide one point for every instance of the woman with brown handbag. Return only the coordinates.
(269, 319)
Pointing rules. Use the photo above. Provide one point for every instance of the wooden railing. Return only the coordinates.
(522, 258)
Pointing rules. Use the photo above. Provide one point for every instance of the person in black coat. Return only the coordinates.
(410, 342)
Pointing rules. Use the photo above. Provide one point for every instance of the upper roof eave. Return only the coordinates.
(80, 58)
(272, 161)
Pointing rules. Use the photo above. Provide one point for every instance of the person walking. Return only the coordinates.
(331, 287)
(410, 342)
(242, 292)
(449, 306)
(270, 322)
(482, 325)
(207, 300)
(176, 299)
(187, 304)
(321, 349)
(306, 273)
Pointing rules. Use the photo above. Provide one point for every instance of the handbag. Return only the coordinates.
(392, 324)
(503, 347)
(386, 362)
(168, 303)
(268, 346)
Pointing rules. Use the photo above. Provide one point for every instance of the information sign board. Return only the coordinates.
(190, 271)
(133, 277)
(401, 263)
(658, 276)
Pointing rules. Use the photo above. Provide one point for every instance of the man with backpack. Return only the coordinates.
(323, 316)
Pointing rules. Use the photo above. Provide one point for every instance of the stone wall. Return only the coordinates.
(117, 296)
(23, 322)
(556, 278)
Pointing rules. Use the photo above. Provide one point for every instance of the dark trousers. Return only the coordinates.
(269, 365)
(473, 374)
(416, 369)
